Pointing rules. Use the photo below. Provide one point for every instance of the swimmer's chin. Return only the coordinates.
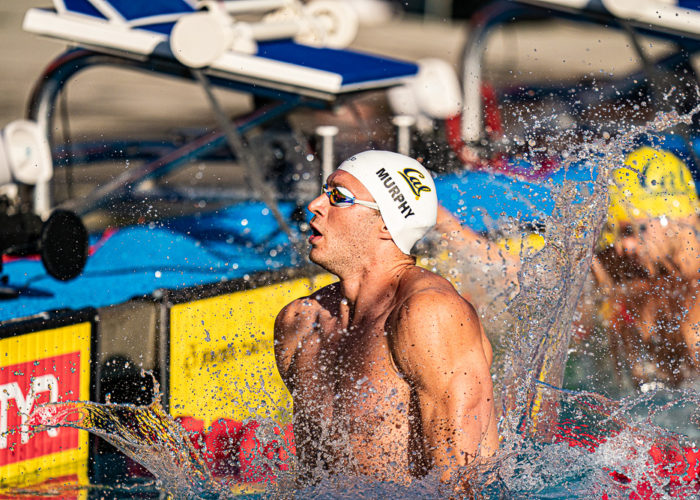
(313, 255)
(316, 256)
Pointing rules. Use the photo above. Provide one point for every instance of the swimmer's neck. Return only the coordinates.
(373, 285)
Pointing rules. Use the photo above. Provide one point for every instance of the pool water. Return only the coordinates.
(561, 436)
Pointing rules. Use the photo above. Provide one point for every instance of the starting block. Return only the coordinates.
(160, 37)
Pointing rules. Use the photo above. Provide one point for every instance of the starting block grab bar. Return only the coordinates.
(200, 38)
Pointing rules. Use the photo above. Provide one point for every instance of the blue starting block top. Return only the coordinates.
(137, 29)
(678, 18)
(355, 68)
(126, 9)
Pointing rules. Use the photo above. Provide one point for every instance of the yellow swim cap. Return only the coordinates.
(657, 184)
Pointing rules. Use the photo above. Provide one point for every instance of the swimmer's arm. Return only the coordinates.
(673, 246)
(452, 231)
(448, 224)
(688, 252)
(438, 348)
(690, 329)
(459, 237)
(288, 326)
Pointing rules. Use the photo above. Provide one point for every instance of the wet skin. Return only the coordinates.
(651, 274)
(389, 368)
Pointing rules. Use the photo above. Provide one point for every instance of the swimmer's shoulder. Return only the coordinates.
(433, 322)
(419, 284)
(427, 295)
(305, 310)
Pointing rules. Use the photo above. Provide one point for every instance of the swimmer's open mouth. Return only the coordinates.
(315, 234)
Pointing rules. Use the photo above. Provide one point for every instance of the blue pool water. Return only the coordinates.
(169, 254)
(230, 243)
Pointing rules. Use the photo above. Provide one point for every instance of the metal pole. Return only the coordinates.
(327, 134)
(403, 125)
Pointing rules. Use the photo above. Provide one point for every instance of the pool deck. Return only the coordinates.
(116, 101)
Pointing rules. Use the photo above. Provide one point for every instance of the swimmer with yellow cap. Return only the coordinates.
(648, 264)
(653, 185)
(653, 213)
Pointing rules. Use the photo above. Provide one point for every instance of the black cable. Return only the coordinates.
(65, 132)
(362, 124)
(249, 159)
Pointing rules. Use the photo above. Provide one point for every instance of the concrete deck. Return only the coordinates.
(111, 103)
(108, 100)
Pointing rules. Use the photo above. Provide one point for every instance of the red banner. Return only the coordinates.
(36, 368)
(22, 387)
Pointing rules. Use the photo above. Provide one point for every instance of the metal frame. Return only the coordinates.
(42, 106)
(501, 12)
(480, 26)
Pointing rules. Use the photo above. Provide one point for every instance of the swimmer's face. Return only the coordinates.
(630, 238)
(341, 235)
(638, 250)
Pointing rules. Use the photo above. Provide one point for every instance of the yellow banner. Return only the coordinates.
(222, 362)
(41, 367)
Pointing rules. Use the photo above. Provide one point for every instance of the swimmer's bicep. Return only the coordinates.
(450, 376)
(435, 334)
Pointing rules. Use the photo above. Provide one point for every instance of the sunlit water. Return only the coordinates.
(555, 443)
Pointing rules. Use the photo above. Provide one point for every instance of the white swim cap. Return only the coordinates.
(403, 189)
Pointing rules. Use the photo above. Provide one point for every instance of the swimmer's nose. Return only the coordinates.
(627, 245)
(318, 204)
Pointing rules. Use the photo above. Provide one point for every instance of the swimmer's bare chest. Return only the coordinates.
(351, 406)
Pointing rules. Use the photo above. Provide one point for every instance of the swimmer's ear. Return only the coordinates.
(384, 232)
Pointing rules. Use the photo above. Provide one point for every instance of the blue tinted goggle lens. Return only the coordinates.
(337, 198)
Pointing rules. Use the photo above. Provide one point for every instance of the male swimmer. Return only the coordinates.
(389, 367)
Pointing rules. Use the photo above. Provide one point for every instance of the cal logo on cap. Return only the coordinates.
(413, 177)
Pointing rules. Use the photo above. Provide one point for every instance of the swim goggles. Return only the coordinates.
(342, 197)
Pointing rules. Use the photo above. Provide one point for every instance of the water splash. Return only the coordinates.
(599, 446)
(551, 280)
(531, 313)
(146, 434)
(555, 443)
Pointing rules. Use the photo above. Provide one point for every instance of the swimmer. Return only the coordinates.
(648, 268)
(389, 367)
